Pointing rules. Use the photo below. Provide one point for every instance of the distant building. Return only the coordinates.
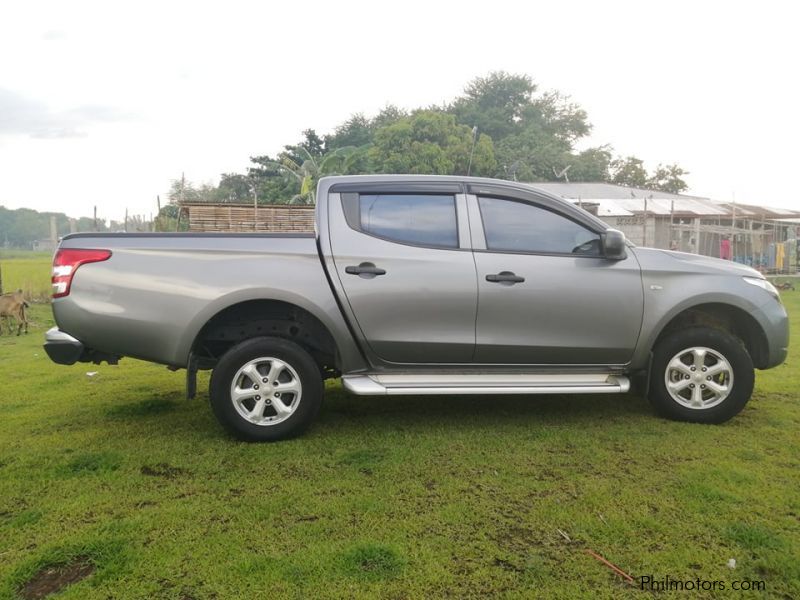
(682, 222)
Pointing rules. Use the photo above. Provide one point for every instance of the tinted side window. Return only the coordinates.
(521, 227)
(424, 220)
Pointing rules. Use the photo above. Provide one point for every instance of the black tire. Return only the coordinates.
(300, 363)
(720, 342)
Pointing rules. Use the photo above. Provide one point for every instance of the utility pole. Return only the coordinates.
(671, 222)
(95, 218)
(733, 227)
(644, 223)
(255, 205)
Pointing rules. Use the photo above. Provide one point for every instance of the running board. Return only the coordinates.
(416, 384)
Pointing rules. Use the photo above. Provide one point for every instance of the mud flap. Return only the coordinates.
(191, 377)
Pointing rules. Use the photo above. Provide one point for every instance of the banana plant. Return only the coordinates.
(309, 171)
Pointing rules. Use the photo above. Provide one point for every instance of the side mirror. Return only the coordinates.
(613, 242)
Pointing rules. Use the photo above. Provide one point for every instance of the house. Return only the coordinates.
(683, 222)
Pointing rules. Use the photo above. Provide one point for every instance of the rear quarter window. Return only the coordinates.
(417, 219)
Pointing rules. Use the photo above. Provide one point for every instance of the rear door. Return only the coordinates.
(546, 295)
(407, 271)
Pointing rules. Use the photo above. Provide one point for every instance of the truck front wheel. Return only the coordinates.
(700, 374)
(266, 389)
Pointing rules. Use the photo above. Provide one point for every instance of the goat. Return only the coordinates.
(14, 305)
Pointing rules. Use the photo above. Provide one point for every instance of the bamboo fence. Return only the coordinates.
(227, 217)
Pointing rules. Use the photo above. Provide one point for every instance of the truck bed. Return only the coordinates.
(157, 291)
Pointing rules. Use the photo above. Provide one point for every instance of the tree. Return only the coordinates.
(522, 134)
(591, 165)
(531, 155)
(668, 179)
(534, 133)
(312, 144)
(182, 190)
(308, 171)
(629, 171)
(430, 142)
(356, 131)
(22, 227)
(495, 104)
(234, 187)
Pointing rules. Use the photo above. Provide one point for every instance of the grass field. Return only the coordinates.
(118, 476)
(28, 271)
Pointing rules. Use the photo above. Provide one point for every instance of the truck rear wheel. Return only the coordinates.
(701, 375)
(266, 389)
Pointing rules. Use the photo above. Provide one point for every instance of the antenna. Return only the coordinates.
(472, 151)
(562, 173)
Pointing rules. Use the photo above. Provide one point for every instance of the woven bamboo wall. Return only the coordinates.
(244, 217)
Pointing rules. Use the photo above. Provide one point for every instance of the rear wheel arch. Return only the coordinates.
(266, 317)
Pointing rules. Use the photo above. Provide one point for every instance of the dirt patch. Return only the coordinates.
(164, 470)
(55, 578)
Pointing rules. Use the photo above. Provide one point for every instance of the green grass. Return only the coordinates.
(408, 497)
(28, 271)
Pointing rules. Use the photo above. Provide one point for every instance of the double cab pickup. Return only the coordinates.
(420, 285)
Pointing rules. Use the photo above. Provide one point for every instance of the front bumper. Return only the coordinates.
(775, 323)
(62, 348)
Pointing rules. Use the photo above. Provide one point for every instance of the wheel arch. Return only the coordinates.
(725, 316)
(234, 319)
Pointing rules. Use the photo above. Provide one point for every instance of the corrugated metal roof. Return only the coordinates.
(621, 201)
(608, 191)
(767, 212)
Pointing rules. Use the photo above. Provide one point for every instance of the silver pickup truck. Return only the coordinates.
(420, 285)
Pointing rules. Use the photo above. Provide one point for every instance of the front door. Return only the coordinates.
(545, 294)
(408, 273)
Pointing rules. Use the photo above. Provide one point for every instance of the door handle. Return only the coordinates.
(505, 277)
(365, 270)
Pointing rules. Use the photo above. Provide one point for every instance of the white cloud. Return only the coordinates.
(20, 115)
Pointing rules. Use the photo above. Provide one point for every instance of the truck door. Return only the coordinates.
(404, 262)
(546, 295)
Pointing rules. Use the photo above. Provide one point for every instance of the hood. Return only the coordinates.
(694, 262)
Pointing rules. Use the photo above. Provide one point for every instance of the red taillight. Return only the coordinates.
(67, 261)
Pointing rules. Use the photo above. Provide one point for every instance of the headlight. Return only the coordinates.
(764, 285)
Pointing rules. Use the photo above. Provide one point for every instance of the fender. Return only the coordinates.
(328, 315)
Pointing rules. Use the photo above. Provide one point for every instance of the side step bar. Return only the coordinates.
(408, 384)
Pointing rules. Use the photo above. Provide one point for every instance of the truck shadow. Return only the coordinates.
(341, 408)
(344, 414)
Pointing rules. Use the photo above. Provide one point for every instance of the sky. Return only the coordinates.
(103, 104)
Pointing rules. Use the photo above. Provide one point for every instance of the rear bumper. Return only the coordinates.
(62, 348)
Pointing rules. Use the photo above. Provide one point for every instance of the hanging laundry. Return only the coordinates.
(779, 256)
(725, 249)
